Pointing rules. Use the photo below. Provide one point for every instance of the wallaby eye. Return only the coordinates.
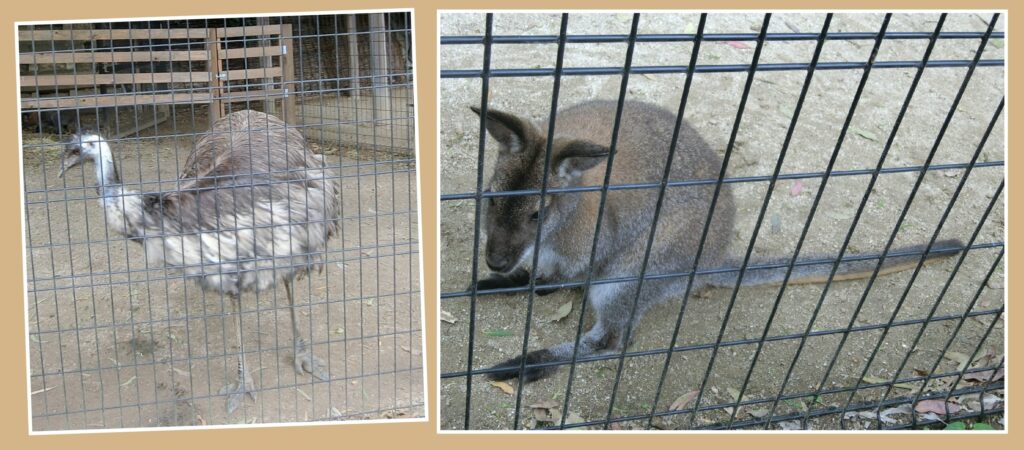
(535, 216)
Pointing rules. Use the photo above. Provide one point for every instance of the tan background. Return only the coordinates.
(406, 435)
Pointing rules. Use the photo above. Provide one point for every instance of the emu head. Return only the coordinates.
(512, 222)
(80, 148)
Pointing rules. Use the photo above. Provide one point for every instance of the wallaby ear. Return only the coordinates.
(511, 131)
(578, 156)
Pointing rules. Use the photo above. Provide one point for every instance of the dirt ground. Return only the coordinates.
(386, 125)
(115, 344)
(712, 105)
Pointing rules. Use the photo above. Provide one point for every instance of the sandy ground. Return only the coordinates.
(712, 106)
(114, 343)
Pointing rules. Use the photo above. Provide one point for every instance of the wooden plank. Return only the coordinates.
(143, 33)
(107, 35)
(116, 78)
(253, 74)
(87, 57)
(251, 52)
(213, 66)
(288, 75)
(130, 99)
(251, 30)
(269, 106)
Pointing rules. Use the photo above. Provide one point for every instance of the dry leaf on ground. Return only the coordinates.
(683, 401)
(936, 406)
(505, 387)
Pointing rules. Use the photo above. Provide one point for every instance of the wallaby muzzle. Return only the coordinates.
(499, 257)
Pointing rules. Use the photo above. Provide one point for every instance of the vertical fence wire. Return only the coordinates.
(714, 200)
(478, 203)
(769, 193)
(814, 208)
(557, 84)
(680, 114)
(630, 46)
(864, 199)
(906, 209)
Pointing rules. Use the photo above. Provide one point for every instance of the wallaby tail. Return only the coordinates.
(847, 270)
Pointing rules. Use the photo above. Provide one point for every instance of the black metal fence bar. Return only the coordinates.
(798, 263)
(717, 37)
(760, 217)
(963, 319)
(942, 220)
(681, 112)
(555, 88)
(748, 84)
(731, 180)
(742, 342)
(867, 194)
(715, 68)
(477, 211)
(814, 208)
(812, 413)
(623, 89)
(910, 199)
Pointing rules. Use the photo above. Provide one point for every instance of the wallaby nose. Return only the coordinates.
(497, 263)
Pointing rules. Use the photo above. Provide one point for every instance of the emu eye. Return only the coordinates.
(535, 216)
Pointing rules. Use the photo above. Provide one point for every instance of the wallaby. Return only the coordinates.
(579, 153)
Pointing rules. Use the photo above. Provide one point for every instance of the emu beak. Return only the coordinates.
(71, 157)
(63, 166)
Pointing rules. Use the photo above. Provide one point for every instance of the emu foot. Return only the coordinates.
(305, 362)
(511, 367)
(236, 392)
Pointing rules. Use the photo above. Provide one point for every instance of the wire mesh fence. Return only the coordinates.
(781, 221)
(221, 221)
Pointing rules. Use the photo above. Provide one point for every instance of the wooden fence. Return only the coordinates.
(215, 66)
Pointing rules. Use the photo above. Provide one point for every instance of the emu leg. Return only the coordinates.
(305, 362)
(236, 392)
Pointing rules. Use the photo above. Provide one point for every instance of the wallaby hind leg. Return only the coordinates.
(518, 278)
(606, 302)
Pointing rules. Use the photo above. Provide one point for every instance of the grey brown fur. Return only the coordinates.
(579, 154)
(255, 207)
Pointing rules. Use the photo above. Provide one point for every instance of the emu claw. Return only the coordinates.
(236, 392)
(305, 363)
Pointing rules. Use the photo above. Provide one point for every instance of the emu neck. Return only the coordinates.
(106, 171)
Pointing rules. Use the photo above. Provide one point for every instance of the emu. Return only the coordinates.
(255, 207)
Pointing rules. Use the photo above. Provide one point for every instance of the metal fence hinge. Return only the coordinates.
(222, 76)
